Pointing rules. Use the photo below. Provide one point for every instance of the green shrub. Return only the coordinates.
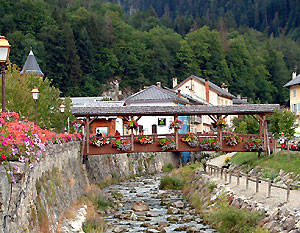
(211, 185)
(171, 182)
(168, 168)
(116, 194)
(93, 225)
(98, 199)
(230, 219)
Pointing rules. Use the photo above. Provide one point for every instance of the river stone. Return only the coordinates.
(153, 231)
(163, 224)
(140, 206)
(181, 228)
(188, 218)
(173, 219)
(141, 218)
(295, 231)
(149, 214)
(298, 225)
(119, 229)
(178, 204)
(145, 224)
(192, 230)
(288, 224)
(172, 210)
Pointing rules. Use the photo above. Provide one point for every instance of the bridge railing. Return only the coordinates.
(155, 144)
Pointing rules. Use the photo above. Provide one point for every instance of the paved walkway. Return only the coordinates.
(278, 196)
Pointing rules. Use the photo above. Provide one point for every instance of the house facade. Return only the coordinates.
(294, 87)
(203, 89)
(156, 96)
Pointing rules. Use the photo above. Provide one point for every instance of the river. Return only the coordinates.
(168, 211)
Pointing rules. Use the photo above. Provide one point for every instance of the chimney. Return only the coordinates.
(294, 75)
(207, 90)
(145, 87)
(238, 96)
(158, 84)
(178, 93)
(245, 99)
(224, 87)
(174, 82)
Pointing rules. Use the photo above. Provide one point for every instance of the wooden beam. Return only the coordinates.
(176, 133)
(213, 118)
(87, 133)
(139, 117)
(265, 133)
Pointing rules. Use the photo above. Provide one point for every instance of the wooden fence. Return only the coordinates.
(227, 175)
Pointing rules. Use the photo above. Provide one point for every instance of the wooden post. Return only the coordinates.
(225, 175)
(257, 181)
(87, 131)
(269, 188)
(238, 179)
(229, 177)
(221, 173)
(265, 133)
(219, 132)
(131, 136)
(176, 133)
(247, 181)
(288, 186)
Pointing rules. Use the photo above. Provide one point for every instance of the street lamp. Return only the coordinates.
(62, 110)
(4, 53)
(35, 95)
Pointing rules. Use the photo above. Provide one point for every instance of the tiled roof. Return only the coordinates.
(154, 93)
(94, 101)
(239, 101)
(212, 86)
(191, 98)
(31, 65)
(295, 81)
(183, 110)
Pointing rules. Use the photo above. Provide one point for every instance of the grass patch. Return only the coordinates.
(93, 225)
(98, 199)
(167, 168)
(172, 182)
(116, 194)
(270, 163)
(226, 218)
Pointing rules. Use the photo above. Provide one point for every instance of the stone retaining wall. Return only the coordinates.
(103, 168)
(42, 193)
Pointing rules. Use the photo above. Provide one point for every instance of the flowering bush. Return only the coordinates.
(177, 124)
(132, 125)
(77, 124)
(210, 144)
(142, 139)
(167, 144)
(24, 141)
(232, 140)
(254, 144)
(99, 141)
(120, 144)
(221, 123)
(190, 139)
(227, 159)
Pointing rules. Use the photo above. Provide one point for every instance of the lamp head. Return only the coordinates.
(4, 49)
(62, 108)
(35, 93)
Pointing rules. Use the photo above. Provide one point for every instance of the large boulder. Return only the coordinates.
(140, 206)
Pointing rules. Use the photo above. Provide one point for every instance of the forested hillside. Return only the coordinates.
(83, 44)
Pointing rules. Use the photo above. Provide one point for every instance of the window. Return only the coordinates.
(294, 108)
(294, 93)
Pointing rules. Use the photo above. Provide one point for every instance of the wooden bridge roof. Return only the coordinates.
(246, 109)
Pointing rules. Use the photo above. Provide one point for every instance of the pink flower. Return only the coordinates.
(3, 156)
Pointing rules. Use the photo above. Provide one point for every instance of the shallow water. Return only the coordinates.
(147, 189)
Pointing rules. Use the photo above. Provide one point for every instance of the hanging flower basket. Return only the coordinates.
(210, 144)
(77, 124)
(99, 141)
(142, 139)
(232, 140)
(221, 123)
(177, 124)
(132, 125)
(190, 139)
(254, 144)
(167, 144)
(122, 145)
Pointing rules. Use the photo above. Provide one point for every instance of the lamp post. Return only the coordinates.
(4, 53)
(62, 110)
(35, 95)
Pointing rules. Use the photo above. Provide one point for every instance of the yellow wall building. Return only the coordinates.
(294, 86)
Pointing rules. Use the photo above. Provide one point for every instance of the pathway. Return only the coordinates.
(278, 196)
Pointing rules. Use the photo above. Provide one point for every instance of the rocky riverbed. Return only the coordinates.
(145, 208)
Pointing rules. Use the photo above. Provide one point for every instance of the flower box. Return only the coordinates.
(177, 124)
(121, 144)
(167, 144)
(143, 139)
(232, 139)
(191, 139)
(210, 144)
(254, 144)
